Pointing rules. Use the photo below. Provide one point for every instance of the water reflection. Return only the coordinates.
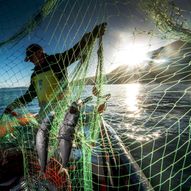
(132, 92)
(135, 114)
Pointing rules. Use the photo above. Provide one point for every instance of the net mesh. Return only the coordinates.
(141, 140)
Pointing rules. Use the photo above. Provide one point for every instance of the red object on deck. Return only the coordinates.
(54, 173)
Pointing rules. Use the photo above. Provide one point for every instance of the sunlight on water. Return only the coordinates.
(135, 115)
(132, 92)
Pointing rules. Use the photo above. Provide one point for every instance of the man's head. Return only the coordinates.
(35, 54)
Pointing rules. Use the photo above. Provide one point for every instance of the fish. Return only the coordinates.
(66, 132)
(67, 129)
(42, 139)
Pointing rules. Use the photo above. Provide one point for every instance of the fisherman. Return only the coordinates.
(50, 71)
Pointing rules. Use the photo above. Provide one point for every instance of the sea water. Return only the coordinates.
(153, 122)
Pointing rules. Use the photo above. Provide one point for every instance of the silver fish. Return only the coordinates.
(66, 132)
(42, 139)
(67, 129)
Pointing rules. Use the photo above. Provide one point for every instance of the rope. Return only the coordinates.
(99, 69)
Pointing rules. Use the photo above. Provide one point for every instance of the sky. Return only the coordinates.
(128, 33)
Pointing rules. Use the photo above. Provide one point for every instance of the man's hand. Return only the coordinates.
(99, 30)
(9, 111)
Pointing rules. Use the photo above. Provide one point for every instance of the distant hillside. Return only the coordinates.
(13, 88)
(171, 62)
(167, 64)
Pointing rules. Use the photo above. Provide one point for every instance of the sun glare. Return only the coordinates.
(132, 55)
(132, 92)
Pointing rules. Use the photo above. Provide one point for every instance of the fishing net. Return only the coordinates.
(140, 69)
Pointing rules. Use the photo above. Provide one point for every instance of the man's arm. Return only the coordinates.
(23, 100)
(77, 51)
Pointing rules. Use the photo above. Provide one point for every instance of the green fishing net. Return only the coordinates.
(135, 133)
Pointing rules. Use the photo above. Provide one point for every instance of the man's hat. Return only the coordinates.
(31, 49)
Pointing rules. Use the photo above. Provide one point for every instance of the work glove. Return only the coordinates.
(99, 30)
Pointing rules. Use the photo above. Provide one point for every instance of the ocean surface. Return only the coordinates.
(153, 122)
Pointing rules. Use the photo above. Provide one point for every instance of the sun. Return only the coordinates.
(132, 55)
